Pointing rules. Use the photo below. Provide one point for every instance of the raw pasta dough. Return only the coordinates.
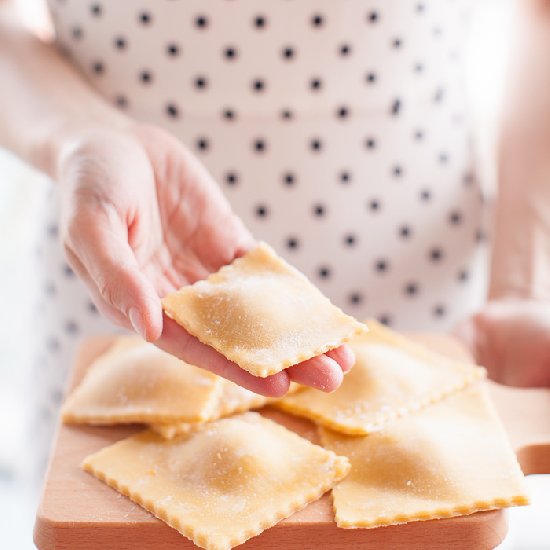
(261, 313)
(391, 377)
(449, 459)
(224, 483)
(134, 381)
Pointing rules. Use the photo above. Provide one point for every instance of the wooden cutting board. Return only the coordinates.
(78, 512)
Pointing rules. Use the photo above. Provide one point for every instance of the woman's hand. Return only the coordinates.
(142, 217)
(511, 338)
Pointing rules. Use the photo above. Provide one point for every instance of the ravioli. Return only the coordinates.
(449, 459)
(261, 313)
(134, 381)
(231, 399)
(392, 376)
(223, 484)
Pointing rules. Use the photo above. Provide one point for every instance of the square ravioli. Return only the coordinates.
(223, 484)
(135, 381)
(449, 459)
(261, 313)
(392, 376)
(232, 399)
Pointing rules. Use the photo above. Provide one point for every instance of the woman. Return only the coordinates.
(336, 131)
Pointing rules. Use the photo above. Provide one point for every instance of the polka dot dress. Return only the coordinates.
(337, 130)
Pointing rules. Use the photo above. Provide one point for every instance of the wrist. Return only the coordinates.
(56, 139)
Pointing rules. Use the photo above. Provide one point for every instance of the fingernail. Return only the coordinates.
(137, 322)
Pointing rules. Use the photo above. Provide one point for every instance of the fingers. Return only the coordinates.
(178, 342)
(344, 356)
(321, 372)
(98, 240)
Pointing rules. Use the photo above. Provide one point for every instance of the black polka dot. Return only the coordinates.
(96, 9)
(404, 231)
(350, 239)
(229, 114)
(288, 52)
(77, 33)
(52, 230)
(371, 77)
(121, 101)
(56, 396)
(397, 43)
(455, 217)
(420, 8)
(53, 344)
(98, 67)
(231, 178)
(172, 110)
(260, 145)
(202, 144)
(468, 179)
(145, 18)
(418, 68)
(411, 289)
(397, 171)
(67, 271)
(419, 135)
(463, 276)
(425, 195)
(201, 21)
(201, 82)
(355, 298)
(395, 107)
(315, 84)
(172, 49)
(319, 210)
(443, 158)
(289, 179)
(373, 17)
(342, 112)
(436, 254)
(230, 52)
(324, 272)
(316, 145)
(92, 308)
(71, 327)
(262, 211)
(146, 77)
(258, 85)
(344, 177)
(439, 95)
(381, 265)
(120, 43)
(374, 205)
(385, 319)
(439, 310)
(344, 50)
(480, 236)
(317, 20)
(292, 243)
(370, 143)
(286, 114)
(260, 21)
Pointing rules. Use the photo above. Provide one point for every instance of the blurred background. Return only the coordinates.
(21, 194)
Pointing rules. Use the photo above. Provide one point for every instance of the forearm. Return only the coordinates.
(521, 249)
(42, 97)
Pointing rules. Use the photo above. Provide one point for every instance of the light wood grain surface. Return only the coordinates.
(78, 512)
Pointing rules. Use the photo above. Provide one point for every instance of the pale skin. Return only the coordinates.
(141, 217)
